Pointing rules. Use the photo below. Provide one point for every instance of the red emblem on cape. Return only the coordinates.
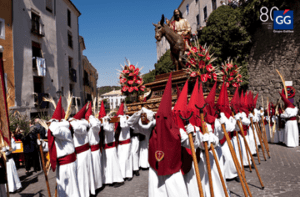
(159, 155)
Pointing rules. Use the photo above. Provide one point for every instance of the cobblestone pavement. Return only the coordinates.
(280, 175)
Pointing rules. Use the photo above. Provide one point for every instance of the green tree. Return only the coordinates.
(227, 36)
(164, 64)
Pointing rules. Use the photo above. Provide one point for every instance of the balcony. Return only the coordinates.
(38, 100)
(37, 28)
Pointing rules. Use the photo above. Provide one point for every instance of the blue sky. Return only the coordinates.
(113, 30)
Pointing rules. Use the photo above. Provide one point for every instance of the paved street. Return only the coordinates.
(280, 175)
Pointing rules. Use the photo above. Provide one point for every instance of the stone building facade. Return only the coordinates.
(196, 12)
(90, 78)
(6, 45)
(48, 31)
(272, 51)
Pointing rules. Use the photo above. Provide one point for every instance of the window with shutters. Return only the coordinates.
(69, 18)
(214, 4)
(49, 5)
(70, 39)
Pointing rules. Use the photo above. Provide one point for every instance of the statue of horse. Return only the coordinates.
(175, 40)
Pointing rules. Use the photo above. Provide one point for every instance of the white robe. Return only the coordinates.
(217, 184)
(173, 185)
(66, 175)
(111, 165)
(124, 150)
(94, 139)
(229, 167)
(13, 180)
(85, 172)
(244, 121)
(291, 138)
(135, 122)
(135, 143)
(250, 135)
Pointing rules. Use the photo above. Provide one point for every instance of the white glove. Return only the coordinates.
(38, 142)
(213, 139)
(237, 116)
(250, 116)
(223, 118)
(206, 138)
(190, 129)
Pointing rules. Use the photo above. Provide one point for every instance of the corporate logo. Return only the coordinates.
(283, 20)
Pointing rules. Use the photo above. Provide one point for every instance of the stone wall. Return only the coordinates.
(272, 51)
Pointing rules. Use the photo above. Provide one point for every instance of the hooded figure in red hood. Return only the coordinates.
(102, 112)
(180, 109)
(82, 148)
(58, 115)
(291, 131)
(62, 152)
(94, 139)
(210, 100)
(165, 152)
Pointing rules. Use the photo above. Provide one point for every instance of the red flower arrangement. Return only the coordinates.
(130, 80)
(230, 74)
(199, 63)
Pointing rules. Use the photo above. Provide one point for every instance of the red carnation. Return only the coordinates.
(131, 67)
(135, 88)
(215, 76)
(138, 82)
(189, 53)
(125, 88)
(136, 72)
(130, 89)
(194, 49)
(137, 69)
(204, 78)
(142, 88)
(201, 64)
(209, 68)
(130, 82)
(230, 79)
(207, 58)
(227, 84)
(235, 85)
(131, 74)
(193, 74)
(193, 61)
(123, 80)
(125, 71)
(200, 54)
(229, 65)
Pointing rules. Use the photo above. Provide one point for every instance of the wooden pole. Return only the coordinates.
(263, 135)
(207, 159)
(259, 137)
(219, 170)
(194, 158)
(236, 163)
(43, 163)
(247, 147)
(253, 130)
(215, 156)
(247, 151)
(240, 151)
(196, 165)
